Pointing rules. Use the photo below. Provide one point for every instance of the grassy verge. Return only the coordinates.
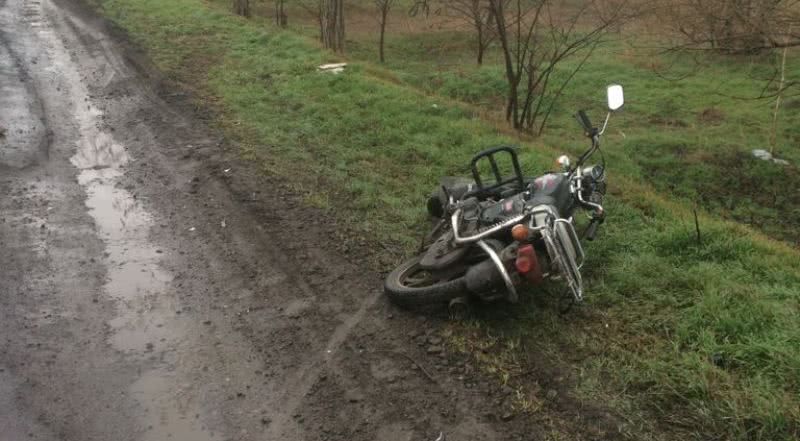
(703, 336)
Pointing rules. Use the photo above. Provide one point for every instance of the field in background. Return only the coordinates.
(701, 337)
(687, 128)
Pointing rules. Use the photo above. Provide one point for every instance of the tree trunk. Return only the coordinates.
(281, 19)
(481, 47)
(384, 14)
(333, 25)
(512, 103)
(774, 135)
(241, 7)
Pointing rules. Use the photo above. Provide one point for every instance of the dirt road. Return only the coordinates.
(153, 288)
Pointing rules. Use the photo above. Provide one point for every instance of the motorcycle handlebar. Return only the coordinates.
(584, 121)
(591, 230)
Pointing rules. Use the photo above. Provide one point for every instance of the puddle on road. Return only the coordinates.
(146, 323)
(163, 420)
(146, 328)
(134, 278)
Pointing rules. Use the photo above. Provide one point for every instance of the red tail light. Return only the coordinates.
(528, 264)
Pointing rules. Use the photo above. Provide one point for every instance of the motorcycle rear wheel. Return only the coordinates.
(410, 285)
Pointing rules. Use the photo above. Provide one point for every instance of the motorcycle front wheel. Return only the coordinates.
(410, 285)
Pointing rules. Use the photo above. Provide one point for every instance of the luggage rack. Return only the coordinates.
(483, 189)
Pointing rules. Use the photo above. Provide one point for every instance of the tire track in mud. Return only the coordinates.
(24, 136)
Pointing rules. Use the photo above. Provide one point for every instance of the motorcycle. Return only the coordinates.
(491, 237)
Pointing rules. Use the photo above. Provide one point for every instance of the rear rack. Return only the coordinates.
(499, 180)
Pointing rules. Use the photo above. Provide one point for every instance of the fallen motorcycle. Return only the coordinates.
(491, 237)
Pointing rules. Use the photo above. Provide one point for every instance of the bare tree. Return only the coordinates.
(241, 7)
(330, 18)
(383, 7)
(477, 13)
(735, 26)
(315, 8)
(535, 40)
(281, 19)
(773, 139)
(333, 25)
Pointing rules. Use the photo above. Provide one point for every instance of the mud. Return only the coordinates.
(153, 287)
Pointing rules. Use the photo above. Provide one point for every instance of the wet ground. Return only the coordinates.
(152, 287)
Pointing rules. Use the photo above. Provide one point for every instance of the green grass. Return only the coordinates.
(688, 129)
(702, 337)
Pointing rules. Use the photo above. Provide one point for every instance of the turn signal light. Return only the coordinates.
(520, 232)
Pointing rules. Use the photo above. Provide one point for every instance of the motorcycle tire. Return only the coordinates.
(438, 292)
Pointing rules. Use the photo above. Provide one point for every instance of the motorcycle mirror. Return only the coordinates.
(616, 99)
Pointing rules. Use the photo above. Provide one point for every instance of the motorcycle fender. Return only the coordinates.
(442, 253)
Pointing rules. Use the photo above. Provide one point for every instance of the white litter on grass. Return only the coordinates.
(767, 156)
(191, 229)
(223, 224)
(227, 170)
(333, 68)
(762, 154)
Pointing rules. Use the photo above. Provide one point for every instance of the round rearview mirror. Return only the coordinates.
(615, 97)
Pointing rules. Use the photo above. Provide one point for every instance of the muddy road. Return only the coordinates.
(154, 288)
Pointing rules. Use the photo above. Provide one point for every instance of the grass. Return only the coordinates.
(702, 337)
(677, 134)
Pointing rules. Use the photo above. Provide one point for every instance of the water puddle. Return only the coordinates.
(163, 419)
(145, 327)
(145, 321)
(135, 278)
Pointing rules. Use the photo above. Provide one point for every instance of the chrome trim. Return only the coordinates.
(576, 187)
(559, 256)
(605, 124)
(546, 208)
(539, 209)
(512, 290)
(597, 207)
(574, 236)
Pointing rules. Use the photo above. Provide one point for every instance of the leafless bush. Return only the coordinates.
(477, 13)
(735, 26)
(535, 39)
